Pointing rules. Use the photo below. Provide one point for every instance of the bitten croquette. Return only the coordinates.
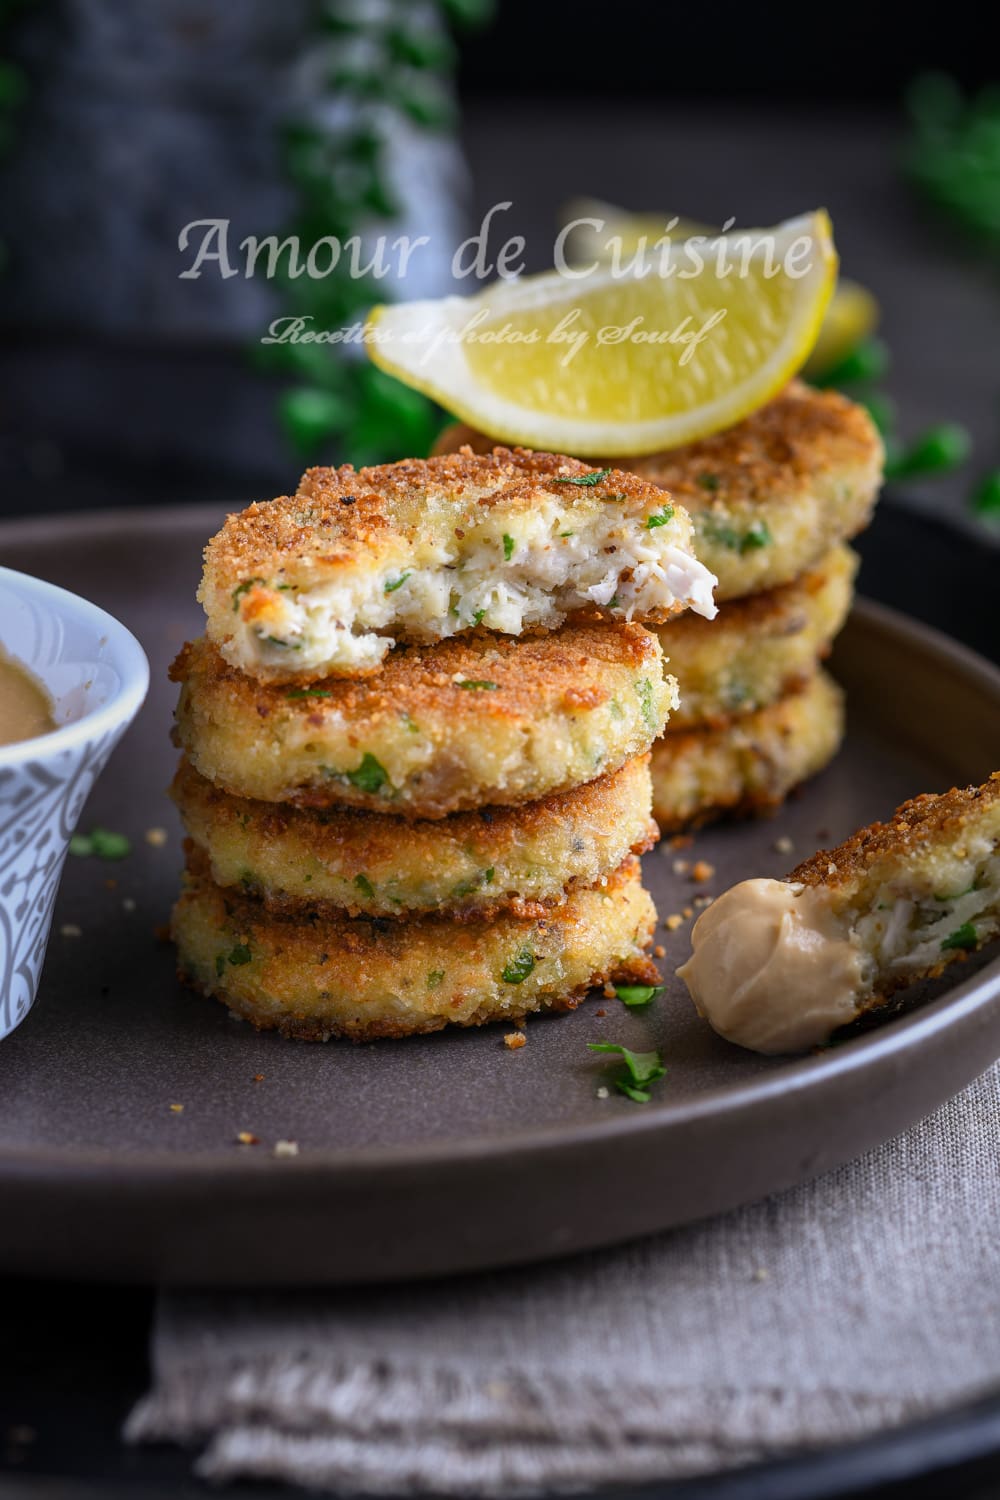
(769, 496)
(323, 582)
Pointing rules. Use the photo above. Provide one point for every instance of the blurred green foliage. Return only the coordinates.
(953, 160)
(383, 65)
(953, 156)
(938, 450)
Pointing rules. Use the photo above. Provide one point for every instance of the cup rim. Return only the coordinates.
(130, 661)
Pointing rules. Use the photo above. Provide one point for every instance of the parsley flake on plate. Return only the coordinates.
(100, 843)
(640, 1070)
(638, 994)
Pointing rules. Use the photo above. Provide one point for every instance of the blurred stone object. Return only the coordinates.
(143, 118)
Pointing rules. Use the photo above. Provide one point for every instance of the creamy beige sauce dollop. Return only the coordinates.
(25, 706)
(772, 968)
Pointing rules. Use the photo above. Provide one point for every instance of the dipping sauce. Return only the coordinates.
(25, 706)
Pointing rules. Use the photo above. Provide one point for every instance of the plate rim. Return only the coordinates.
(901, 1036)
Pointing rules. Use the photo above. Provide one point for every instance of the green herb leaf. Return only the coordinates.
(866, 364)
(285, 645)
(240, 955)
(364, 885)
(638, 994)
(519, 968)
(640, 1070)
(709, 481)
(937, 451)
(477, 618)
(986, 497)
(757, 535)
(310, 416)
(100, 843)
(508, 547)
(391, 588)
(660, 518)
(963, 937)
(477, 685)
(309, 693)
(644, 693)
(631, 1091)
(586, 481)
(434, 978)
(243, 588)
(370, 775)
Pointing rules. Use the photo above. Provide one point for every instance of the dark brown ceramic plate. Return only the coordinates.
(450, 1152)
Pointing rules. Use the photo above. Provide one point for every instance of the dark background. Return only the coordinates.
(771, 54)
(116, 392)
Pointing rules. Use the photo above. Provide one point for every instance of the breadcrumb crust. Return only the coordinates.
(466, 722)
(804, 470)
(750, 765)
(368, 979)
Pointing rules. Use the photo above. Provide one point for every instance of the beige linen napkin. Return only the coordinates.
(865, 1299)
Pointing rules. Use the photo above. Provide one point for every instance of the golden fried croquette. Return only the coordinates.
(366, 978)
(779, 965)
(472, 864)
(749, 765)
(321, 583)
(758, 648)
(477, 720)
(919, 891)
(771, 495)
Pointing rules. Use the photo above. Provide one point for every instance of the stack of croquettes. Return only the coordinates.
(773, 500)
(416, 742)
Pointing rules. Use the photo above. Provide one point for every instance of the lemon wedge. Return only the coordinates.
(622, 360)
(594, 230)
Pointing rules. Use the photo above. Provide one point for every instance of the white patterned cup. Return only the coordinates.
(97, 675)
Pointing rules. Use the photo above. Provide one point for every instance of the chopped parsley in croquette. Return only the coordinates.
(770, 495)
(362, 978)
(519, 858)
(561, 709)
